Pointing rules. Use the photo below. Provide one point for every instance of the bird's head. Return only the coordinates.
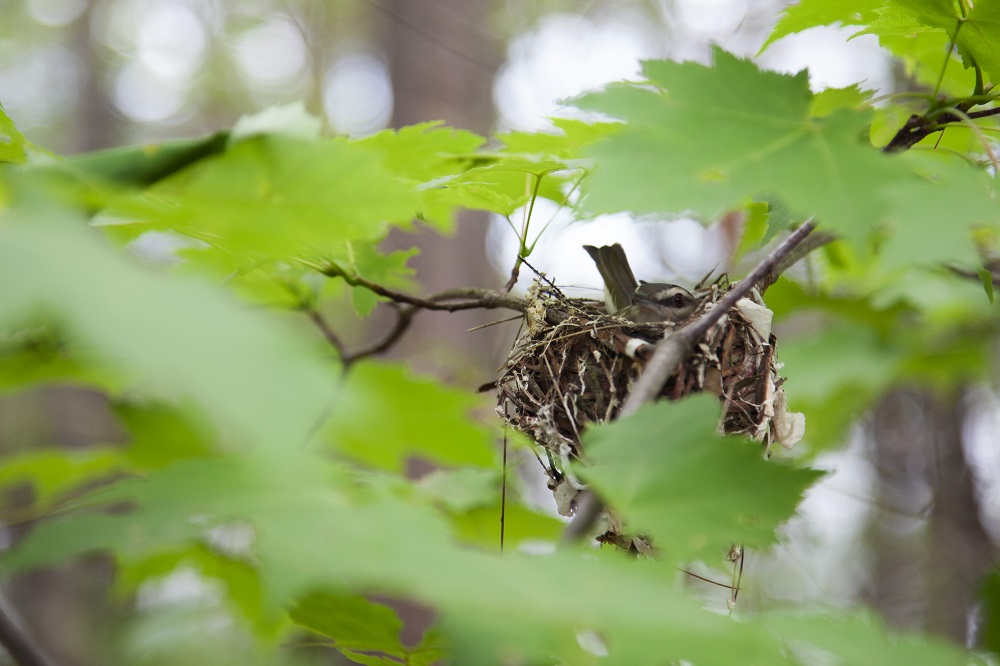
(677, 301)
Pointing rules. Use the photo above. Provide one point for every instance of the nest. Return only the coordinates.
(575, 365)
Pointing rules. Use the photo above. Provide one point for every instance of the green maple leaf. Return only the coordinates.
(932, 217)
(429, 420)
(707, 138)
(977, 35)
(565, 143)
(53, 472)
(388, 269)
(827, 102)
(12, 142)
(170, 336)
(674, 479)
(277, 197)
(861, 639)
(352, 621)
(813, 13)
(423, 153)
(980, 36)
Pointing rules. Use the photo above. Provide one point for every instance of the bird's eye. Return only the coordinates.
(678, 300)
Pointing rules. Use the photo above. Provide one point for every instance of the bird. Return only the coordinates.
(642, 303)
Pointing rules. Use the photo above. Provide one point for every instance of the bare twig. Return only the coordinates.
(317, 318)
(671, 351)
(810, 243)
(407, 306)
(917, 127)
(19, 645)
(451, 300)
(404, 317)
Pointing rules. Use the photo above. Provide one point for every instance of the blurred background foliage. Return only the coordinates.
(896, 376)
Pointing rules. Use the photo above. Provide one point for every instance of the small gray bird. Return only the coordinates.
(646, 303)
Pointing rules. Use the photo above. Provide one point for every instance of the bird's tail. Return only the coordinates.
(619, 282)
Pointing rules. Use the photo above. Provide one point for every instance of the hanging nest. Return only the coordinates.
(575, 365)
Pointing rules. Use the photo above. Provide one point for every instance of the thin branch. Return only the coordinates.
(706, 580)
(671, 351)
(451, 300)
(317, 318)
(811, 242)
(983, 114)
(403, 320)
(434, 39)
(917, 127)
(523, 236)
(19, 645)
(967, 121)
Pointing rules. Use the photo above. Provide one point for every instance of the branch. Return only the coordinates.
(451, 300)
(671, 351)
(917, 127)
(19, 645)
(404, 317)
(810, 243)
(316, 318)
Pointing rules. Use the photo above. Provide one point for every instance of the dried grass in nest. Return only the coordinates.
(575, 365)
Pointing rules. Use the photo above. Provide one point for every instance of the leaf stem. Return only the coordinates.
(947, 56)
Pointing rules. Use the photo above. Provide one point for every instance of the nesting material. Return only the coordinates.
(575, 365)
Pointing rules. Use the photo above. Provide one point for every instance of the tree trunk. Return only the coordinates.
(929, 545)
(442, 65)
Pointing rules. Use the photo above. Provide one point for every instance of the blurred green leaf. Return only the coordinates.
(787, 297)
(987, 279)
(143, 165)
(298, 522)
(41, 355)
(923, 54)
(829, 101)
(473, 500)
(162, 433)
(53, 472)
(12, 142)
(932, 218)
(352, 622)
(423, 153)
(481, 526)
(754, 228)
(240, 578)
(974, 30)
(275, 197)
(989, 594)
(177, 336)
(695, 493)
(835, 356)
(389, 270)
(462, 490)
(565, 143)
(386, 415)
(291, 120)
(812, 13)
(862, 639)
